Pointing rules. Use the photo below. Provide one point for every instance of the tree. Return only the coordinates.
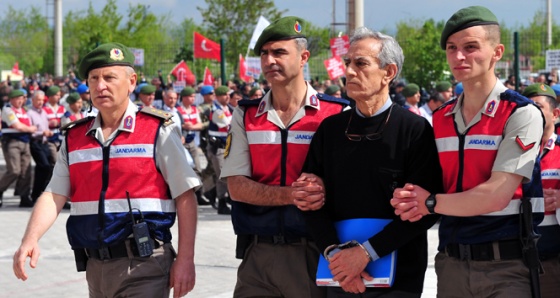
(425, 62)
(23, 38)
(235, 20)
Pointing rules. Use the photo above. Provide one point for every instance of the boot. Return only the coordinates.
(201, 200)
(223, 208)
(26, 202)
(211, 197)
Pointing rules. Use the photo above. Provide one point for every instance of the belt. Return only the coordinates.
(279, 239)
(115, 251)
(489, 251)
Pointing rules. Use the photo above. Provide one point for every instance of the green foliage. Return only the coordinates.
(425, 61)
(23, 38)
(235, 21)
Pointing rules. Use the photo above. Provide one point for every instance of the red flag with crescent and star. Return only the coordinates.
(182, 73)
(208, 79)
(206, 48)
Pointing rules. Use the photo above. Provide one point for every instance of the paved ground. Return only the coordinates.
(56, 276)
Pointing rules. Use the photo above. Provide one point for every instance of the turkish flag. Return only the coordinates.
(15, 69)
(205, 48)
(208, 79)
(243, 69)
(183, 74)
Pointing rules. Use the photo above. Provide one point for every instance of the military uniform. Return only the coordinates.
(15, 147)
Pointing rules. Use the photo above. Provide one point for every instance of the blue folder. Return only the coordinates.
(361, 229)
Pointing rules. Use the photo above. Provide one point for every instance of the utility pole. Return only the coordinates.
(58, 38)
(549, 22)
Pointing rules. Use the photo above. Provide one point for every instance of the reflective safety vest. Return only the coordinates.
(549, 244)
(224, 116)
(467, 160)
(277, 157)
(188, 115)
(100, 178)
(54, 115)
(8, 132)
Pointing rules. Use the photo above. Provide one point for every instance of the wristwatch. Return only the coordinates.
(431, 203)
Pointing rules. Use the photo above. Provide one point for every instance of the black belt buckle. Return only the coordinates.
(465, 252)
(104, 253)
(278, 239)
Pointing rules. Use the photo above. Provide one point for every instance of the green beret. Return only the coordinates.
(539, 89)
(187, 91)
(282, 29)
(73, 97)
(148, 89)
(465, 18)
(15, 93)
(107, 54)
(443, 86)
(332, 89)
(222, 90)
(410, 89)
(253, 91)
(52, 90)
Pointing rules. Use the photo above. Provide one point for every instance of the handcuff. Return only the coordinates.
(345, 245)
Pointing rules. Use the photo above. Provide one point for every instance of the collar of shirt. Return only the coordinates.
(128, 121)
(311, 101)
(384, 108)
(490, 105)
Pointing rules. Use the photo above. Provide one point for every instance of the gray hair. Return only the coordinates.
(390, 52)
(301, 43)
(37, 93)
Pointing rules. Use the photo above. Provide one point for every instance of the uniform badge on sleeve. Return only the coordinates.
(522, 145)
(228, 145)
(11, 117)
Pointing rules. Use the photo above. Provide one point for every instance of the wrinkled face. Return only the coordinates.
(364, 76)
(110, 87)
(147, 99)
(281, 61)
(170, 99)
(77, 106)
(471, 55)
(38, 101)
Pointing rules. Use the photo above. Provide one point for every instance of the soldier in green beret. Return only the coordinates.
(74, 112)
(488, 139)
(549, 243)
(264, 153)
(16, 134)
(255, 93)
(147, 95)
(411, 92)
(122, 155)
(445, 89)
(333, 90)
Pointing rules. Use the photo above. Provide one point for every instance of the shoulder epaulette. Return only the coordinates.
(248, 102)
(325, 97)
(515, 97)
(73, 124)
(159, 114)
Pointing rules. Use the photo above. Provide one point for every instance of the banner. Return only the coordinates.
(205, 48)
(340, 46)
(261, 25)
(208, 79)
(138, 56)
(183, 74)
(335, 67)
(243, 69)
(253, 67)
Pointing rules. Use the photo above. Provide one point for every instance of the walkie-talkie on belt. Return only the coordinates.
(141, 233)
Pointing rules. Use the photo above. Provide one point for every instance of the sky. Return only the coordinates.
(382, 15)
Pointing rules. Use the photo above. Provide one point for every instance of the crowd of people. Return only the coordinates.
(292, 161)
